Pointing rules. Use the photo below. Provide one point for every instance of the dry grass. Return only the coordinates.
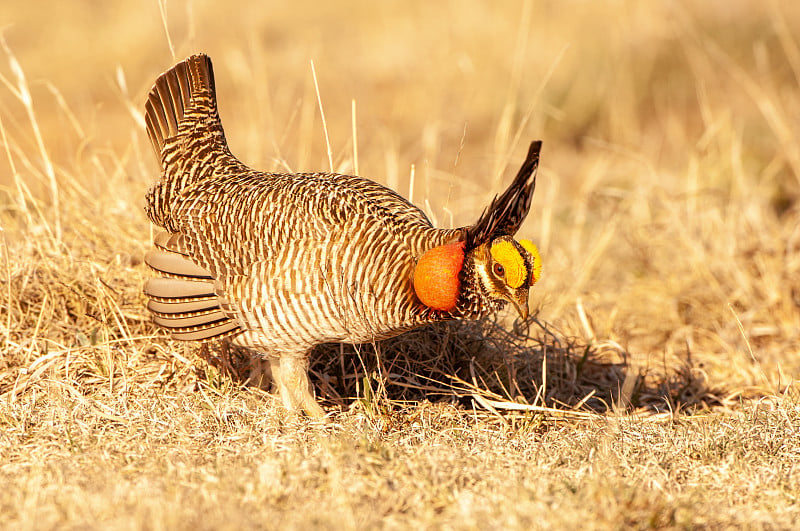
(654, 387)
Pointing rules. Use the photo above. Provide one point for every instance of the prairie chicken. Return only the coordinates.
(281, 262)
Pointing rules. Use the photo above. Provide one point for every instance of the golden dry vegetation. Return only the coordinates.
(653, 388)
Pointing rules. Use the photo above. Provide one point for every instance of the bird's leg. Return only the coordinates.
(295, 387)
(260, 372)
(275, 369)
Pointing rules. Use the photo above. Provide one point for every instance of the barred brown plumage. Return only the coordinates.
(282, 262)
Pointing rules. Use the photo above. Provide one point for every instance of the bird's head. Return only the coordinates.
(503, 270)
(484, 267)
(481, 280)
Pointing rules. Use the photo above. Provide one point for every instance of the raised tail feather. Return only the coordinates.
(183, 124)
(184, 90)
(507, 211)
(184, 299)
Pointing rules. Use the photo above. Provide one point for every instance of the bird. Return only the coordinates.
(281, 262)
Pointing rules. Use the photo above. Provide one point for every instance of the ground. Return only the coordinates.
(654, 386)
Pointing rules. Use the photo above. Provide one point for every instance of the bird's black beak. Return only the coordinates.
(520, 302)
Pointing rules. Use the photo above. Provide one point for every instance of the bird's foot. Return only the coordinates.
(290, 376)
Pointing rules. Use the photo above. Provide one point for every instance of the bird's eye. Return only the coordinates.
(499, 270)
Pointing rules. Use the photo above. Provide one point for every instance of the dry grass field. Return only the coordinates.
(653, 388)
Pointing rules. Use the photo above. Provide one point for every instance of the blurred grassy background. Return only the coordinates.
(667, 212)
(667, 208)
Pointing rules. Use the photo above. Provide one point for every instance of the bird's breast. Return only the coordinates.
(353, 284)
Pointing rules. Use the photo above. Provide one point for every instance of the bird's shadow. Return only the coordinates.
(462, 361)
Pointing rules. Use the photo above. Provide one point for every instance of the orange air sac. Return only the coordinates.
(436, 276)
